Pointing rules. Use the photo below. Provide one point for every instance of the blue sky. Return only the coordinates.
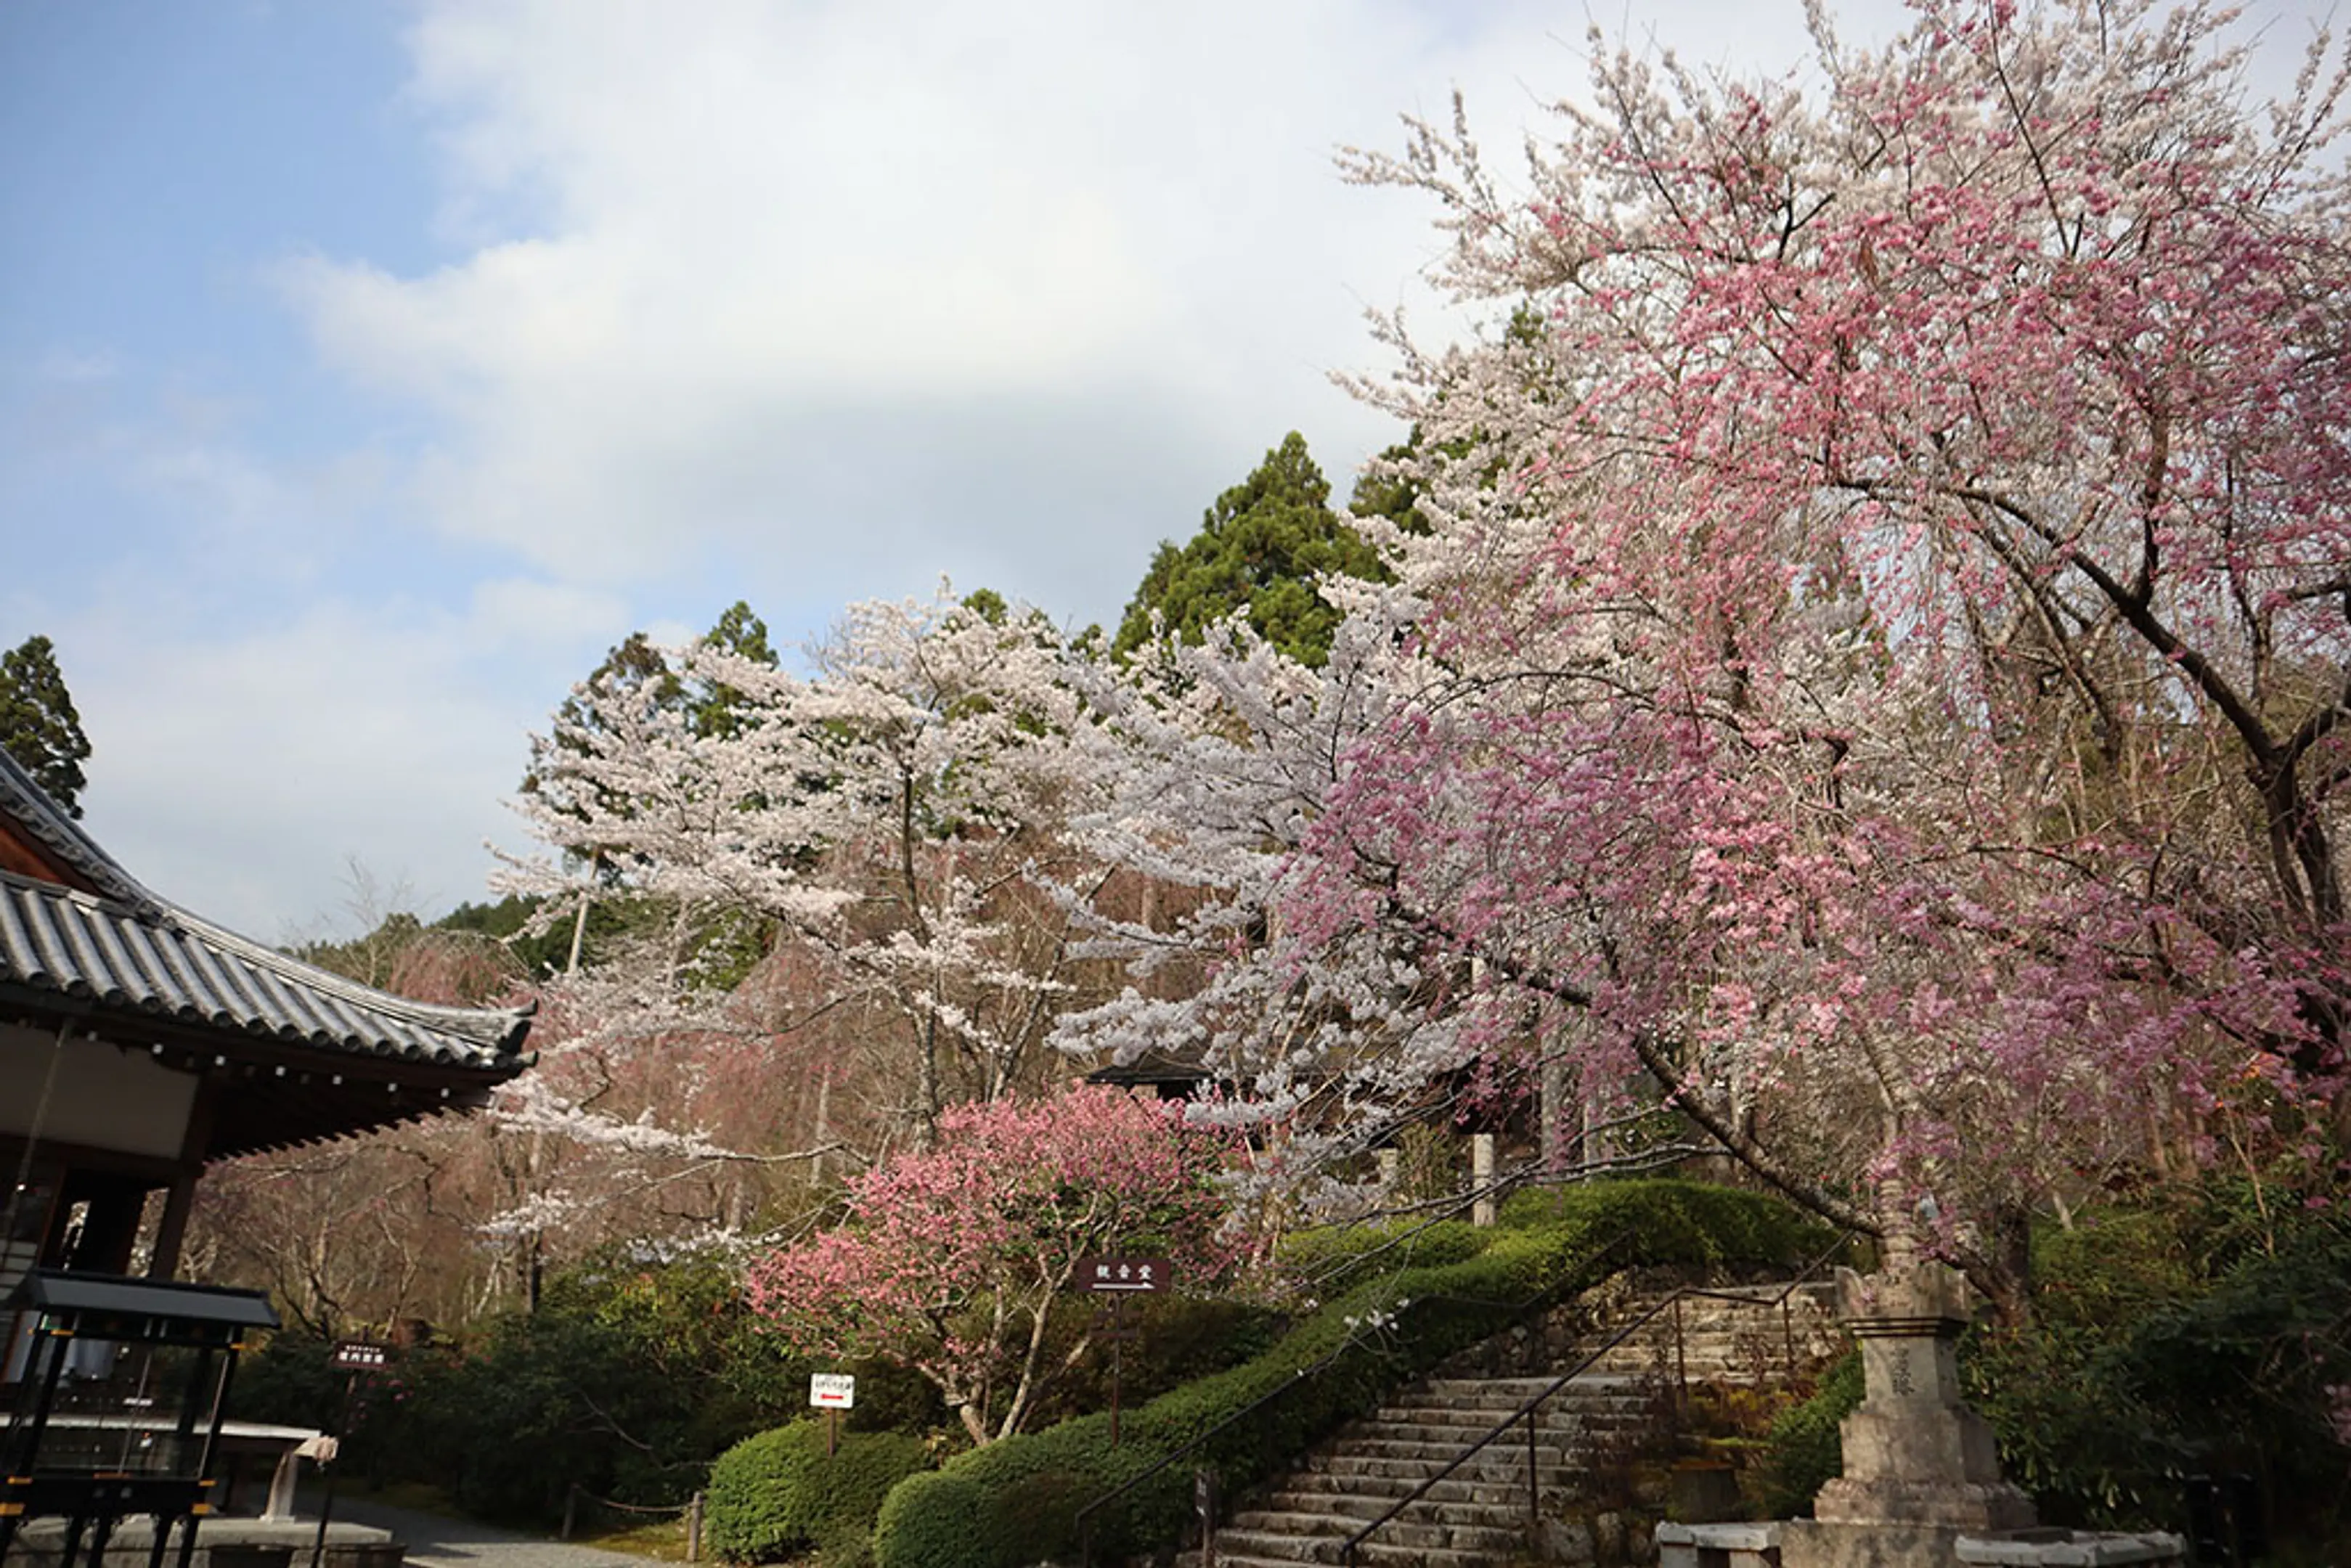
(367, 369)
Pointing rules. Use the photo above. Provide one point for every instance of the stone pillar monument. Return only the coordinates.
(1920, 1469)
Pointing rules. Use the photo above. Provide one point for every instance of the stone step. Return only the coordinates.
(1406, 1412)
(1364, 1503)
(1308, 1484)
(1344, 1516)
(1511, 1391)
(1371, 1471)
(1373, 1553)
(1408, 1443)
(1553, 1443)
(1421, 1460)
(1402, 1455)
(1625, 1395)
(1556, 1422)
(1297, 1536)
(1309, 1492)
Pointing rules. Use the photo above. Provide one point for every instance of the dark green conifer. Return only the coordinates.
(1259, 550)
(39, 726)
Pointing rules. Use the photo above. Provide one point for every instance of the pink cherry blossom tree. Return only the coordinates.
(1881, 640)
(950, 1259)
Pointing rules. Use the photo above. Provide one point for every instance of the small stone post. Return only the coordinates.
(1481, 1178)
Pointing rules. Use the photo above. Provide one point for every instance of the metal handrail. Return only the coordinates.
(1083, 1518)
(1526, 1412)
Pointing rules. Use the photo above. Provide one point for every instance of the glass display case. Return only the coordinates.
(116, 1406)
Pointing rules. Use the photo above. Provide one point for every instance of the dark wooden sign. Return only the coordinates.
(1122, 1276)
(358, 1355)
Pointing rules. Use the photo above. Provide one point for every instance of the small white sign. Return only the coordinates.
(833, 1391)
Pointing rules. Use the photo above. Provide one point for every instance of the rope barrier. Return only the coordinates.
(634, 1507)
(691, 1507)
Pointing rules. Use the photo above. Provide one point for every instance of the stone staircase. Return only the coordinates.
(1474, 1517)
(1478, 1516)
(1745, 1343)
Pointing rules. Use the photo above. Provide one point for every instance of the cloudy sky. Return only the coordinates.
(368, 369)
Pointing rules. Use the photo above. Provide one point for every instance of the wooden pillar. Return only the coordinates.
(110, 1225)
(172, 1230)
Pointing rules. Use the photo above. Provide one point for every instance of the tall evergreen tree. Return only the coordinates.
(39, 726)
(635, 664)
(1259, 550)
(636, 677)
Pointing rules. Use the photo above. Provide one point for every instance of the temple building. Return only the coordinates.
(139, 1042)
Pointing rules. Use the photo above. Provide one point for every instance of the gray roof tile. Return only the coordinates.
(130, 950)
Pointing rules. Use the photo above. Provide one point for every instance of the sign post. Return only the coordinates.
(832, 1392)
(1119, 1277)
(358, 1357)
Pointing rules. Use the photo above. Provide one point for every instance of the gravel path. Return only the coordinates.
(437, 1543)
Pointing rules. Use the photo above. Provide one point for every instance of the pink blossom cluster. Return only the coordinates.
(950, 1259)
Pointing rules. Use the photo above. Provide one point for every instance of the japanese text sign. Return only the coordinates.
(1137, 1275)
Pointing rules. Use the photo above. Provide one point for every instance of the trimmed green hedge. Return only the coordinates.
(934, 1517)
(1014, 1501)
(1678, 1222)
(772, 1494)
(1333, 1258)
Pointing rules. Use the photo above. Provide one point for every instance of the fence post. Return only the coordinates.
(1681, 1366)
(1481, 1178)
(1534, 1488)
(570, 1511)
(693, 1528)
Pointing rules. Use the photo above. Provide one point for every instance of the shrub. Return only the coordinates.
(772, 1494)
(2176, 1341)
(1177, 1339)
(1803, 1449)
(1013, 1501)
(1333, 1258)
(627, 1381)
(931, 1521)
(1676, 1222)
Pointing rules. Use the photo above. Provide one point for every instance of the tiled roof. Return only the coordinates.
(26, 805)
(129, 951)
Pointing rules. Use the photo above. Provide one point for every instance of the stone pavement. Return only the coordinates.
(437, 1543)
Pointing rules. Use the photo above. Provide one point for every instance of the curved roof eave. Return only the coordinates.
(128, 950)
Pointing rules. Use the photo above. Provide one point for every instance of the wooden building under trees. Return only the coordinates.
(140, 1042)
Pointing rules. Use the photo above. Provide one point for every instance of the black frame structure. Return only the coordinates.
(119, 1409)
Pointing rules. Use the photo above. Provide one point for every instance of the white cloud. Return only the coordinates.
(773, 280)
(528, 614)
(231, 768)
